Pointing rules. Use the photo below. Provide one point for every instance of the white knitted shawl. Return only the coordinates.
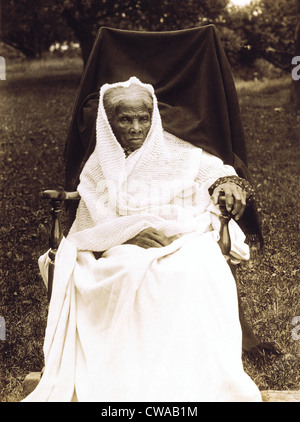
(163, 184)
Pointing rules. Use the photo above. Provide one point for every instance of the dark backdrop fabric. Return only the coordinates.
(193, 84)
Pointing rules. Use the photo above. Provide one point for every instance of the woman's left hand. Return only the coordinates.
(235, 198)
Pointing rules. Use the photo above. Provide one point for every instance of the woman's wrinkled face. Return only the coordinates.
(131, 122)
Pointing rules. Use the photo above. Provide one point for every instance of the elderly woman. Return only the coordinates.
(144, 305)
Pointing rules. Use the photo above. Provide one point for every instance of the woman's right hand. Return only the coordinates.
(150, 238)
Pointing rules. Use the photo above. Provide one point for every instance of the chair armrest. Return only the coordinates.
(60, 195)
(56, 198)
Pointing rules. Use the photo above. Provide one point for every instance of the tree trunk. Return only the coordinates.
(86, 44)
(82, 31)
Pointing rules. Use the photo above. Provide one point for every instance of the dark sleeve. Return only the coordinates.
(239, 181)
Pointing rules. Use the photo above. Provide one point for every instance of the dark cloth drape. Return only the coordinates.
(193, 84)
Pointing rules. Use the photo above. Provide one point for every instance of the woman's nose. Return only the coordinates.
(136, 127)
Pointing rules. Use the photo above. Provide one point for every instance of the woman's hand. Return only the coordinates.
(150, 238)
(235, 198)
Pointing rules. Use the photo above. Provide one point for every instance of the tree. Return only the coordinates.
(266, 29)
(31, 26)
(85, 18)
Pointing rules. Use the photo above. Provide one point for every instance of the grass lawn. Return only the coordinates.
(36, 105)
(269, 284)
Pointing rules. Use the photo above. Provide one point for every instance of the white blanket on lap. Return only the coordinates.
(144, 325)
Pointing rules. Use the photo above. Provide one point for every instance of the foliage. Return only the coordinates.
(264, 29)
(32, 26)
(43, 23)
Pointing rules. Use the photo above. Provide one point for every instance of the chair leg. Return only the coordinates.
(249, 339)
(51, 255)
(54, 240)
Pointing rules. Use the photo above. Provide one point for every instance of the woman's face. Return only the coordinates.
(131, 122)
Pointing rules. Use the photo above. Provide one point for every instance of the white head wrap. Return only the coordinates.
(154, 187)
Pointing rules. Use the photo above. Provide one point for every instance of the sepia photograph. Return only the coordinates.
(149, 155)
